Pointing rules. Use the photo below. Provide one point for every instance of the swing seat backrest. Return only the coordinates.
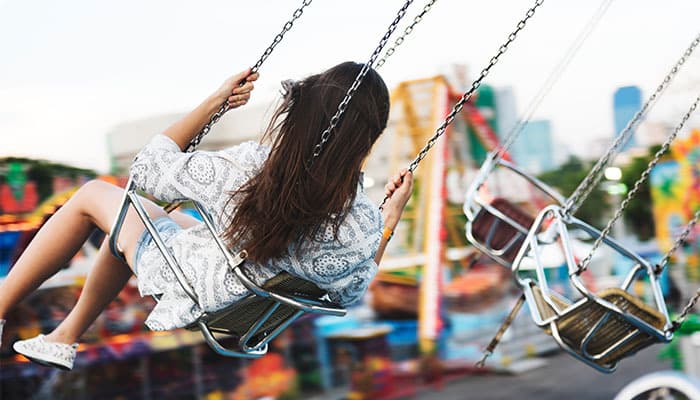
(500, 227)
(601, 333)
(255, 320)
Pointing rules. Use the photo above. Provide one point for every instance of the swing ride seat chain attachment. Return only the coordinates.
(470, 92)
(583, 265)
(679, 241)
(598, 328)
(591, 180)
(399, 40)
(224, 107)
(326, 134)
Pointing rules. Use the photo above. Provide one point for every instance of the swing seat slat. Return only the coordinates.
(501, 236)
(254, 320)
(597, 333)
(606, 336)
(599, 328)
(238, 319)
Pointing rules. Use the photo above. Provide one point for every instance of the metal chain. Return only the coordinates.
(470, 92)
(664, 261)
(405, 33)
(583, 265)
(686, 310)
(326, 134)
(594, 176)
(475, 85)
(553, 77)
(286, 28)
(507, 322)
(679, 241)
(224, 107)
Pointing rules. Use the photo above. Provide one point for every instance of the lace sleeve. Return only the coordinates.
(163, 171)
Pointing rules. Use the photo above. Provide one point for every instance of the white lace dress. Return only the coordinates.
(343, 267)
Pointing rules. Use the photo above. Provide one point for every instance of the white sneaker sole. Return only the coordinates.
(43, 359)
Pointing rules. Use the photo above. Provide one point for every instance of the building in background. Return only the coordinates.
(507, 113)
(534, 148)
(627, 100)
(652, 133)
(126, 139)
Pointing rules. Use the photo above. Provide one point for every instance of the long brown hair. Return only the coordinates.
(293, 195)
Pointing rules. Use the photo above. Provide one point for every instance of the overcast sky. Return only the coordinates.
(71, 70)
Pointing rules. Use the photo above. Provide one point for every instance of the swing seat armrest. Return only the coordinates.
(224, 351)
(548, 190)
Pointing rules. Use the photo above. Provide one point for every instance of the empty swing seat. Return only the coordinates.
(599, 328)
(606, 336)
(498, 227)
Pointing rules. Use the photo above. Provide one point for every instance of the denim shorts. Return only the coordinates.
(165, 226)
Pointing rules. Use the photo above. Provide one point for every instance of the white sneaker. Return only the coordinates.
(50, 354)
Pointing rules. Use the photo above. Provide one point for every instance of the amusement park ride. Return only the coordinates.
(599, 328)
(624, 324)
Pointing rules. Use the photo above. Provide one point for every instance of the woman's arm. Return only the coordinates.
(235, 91)
(398, 190)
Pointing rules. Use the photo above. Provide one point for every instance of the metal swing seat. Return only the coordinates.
(263, 314)
(254, 320)
(599, 328)
(602, 328)
(498, 227)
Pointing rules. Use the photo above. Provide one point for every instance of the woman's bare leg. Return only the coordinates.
(94, 205)
(106, 279)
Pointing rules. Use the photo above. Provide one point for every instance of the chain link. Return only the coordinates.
(418, 18)
(686, 310)
(664, 261)
(224, 107)
(683, 236)
(470, 92)
(286, 28)
(596, 173)
(475, 85)
(507, 322)
(326, 134)
(583, 265)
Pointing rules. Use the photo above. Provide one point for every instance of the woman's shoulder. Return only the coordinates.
(366, 213)
(248, 155)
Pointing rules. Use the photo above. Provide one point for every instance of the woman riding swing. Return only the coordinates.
(310, 219)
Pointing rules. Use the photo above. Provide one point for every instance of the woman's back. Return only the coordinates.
(338, 260)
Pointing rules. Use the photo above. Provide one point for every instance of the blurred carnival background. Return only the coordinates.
(84, 85)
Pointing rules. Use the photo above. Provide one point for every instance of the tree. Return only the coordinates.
(566, 179)
(638, 216)
(43, 172)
